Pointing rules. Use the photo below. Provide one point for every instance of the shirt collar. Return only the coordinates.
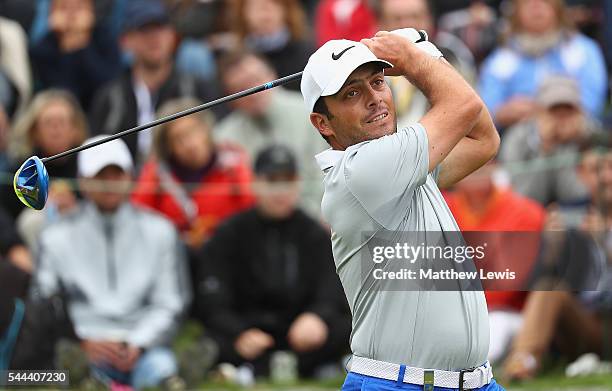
(328, 158)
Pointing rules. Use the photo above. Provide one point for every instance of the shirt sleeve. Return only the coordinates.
(384, 173)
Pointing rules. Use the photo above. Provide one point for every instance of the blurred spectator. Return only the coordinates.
(196, 21)
(587, 16)
(476, 25)
(540, 42)
(15, 77)
(14, 256)
(276, 30)
(480, 204)
(195, 18)
(347, 19)
(191, 180)
(15, 84)
(267, 280)
(52, 123)
(13, 288)
(108, 12)
(78, 53)
(133, 98)
(573, 323)
(123, 273)
(541, 153)
(274, 116)
(410, 103)
(29, 329)
(397, 14)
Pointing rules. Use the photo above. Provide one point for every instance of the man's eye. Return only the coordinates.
(378, 82)
(351, 94)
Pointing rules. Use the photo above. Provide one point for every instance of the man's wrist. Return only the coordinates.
(415, 63)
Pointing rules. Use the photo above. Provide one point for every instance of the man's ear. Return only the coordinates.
(321, 122)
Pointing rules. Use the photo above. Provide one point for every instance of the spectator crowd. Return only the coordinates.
(214, 219)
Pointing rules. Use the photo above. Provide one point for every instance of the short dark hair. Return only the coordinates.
(320, 107)
(228, 60)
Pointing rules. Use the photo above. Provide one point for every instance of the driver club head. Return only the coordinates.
(31, 183)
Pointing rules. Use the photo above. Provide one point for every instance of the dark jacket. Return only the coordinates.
(290, 59)
(255, 272)
(82, 71)
(115, 109)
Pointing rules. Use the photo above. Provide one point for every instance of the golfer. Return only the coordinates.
(382, 179)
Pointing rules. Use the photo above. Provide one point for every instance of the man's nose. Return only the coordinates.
(373, 97)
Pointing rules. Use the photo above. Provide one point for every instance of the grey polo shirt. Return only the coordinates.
(383, 185)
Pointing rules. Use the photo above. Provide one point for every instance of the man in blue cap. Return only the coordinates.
(133, 98)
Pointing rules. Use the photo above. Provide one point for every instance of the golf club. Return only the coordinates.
(31, 182)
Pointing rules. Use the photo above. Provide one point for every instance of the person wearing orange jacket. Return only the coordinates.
(191, 180)
(479, 204)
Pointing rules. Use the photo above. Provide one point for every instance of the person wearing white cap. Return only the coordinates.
(123, 272)
(382, 182)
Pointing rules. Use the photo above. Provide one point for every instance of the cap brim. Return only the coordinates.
(336, 84)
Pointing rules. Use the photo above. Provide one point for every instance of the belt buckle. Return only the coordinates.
(463, 372)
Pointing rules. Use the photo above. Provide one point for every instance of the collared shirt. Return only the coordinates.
(379, 187)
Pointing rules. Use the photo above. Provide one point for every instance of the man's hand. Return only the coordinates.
(21, 257)
(100, 352)
(119, 355)
(129, 356)
(308, 332)
(252, 343)
(393, 48)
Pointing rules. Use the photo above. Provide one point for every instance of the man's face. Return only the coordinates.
(596, 173)
(108, 189)
(152, 45)
(536, 16)
(248, 73)
(362, 110)
(277, 196)
(264, 17)
(397, 14)
(567, 122)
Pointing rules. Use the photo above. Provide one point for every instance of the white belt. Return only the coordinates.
(472, 378)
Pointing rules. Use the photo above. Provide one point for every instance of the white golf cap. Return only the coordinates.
(329, 67)
(113, 153)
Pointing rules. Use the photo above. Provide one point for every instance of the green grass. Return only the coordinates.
(548, 382)
(560, 382)
(552, 379)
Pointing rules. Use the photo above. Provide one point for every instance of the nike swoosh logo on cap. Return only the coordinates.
(337, 56)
